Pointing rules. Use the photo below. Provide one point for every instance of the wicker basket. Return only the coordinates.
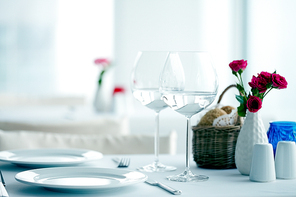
(214, 147)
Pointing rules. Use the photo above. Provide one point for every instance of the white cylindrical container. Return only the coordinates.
(285, 160)
(262, 166)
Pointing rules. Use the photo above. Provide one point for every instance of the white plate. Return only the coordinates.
(80, 178)
(49, 157)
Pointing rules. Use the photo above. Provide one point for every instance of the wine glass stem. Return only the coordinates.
(188, 132)
(156, 138)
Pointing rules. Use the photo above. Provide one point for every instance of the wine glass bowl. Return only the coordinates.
(188, 85)
(145, 88)
(150, 98)
(188, 103)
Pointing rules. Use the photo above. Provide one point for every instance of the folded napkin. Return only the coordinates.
(3, 191)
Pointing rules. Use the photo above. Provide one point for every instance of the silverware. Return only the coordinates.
(123, 162)
(2, 179)
(163, 186)
(2, 188)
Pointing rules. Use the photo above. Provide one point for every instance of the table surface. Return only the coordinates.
(221, 182)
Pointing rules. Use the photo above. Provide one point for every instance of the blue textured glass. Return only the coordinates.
(281, 131)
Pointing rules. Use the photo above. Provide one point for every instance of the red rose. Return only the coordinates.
(253, 82)
(259, 83)
(278, 81)
(262, 84)
(236, 65)
(266, 76)
(254, 104)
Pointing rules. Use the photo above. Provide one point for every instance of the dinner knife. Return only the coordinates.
(3, 191)
(163, 186)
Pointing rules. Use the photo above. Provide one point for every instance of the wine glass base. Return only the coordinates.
(188, 176)
(156, 167)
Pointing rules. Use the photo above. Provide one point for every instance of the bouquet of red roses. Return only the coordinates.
(260, 87)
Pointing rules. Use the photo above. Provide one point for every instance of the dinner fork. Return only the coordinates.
(123, 162)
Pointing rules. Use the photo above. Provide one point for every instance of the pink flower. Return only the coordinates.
(259, 83)
(266, 76)
(237, 65)
(253, 82)
(103, 62)
(254, 103)
(278, 81)
(262, 85)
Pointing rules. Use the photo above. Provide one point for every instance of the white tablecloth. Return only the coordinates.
(226, 183)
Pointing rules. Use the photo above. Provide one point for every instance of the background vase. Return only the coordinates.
(103, 96)
(252, 132)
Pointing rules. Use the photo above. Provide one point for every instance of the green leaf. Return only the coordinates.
(261, 96)
(240, 88)
(240, 99)
(269, 85)
(255, 91)
(234, 73)
(246, 100)
(241, 110)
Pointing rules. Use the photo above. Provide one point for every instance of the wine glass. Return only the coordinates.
(188, 84)
(145, 88)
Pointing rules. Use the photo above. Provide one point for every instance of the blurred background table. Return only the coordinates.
(75, 125)
(62, 118)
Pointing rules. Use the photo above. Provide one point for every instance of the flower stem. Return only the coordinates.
(267, 92)
(101, 78)
(242, 84)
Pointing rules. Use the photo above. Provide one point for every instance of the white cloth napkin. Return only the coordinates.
(3, 191)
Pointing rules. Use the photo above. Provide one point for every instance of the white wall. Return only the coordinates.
(272, 46)
(84, 32)
(210, 25)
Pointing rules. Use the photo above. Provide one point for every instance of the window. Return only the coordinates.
(48, 47)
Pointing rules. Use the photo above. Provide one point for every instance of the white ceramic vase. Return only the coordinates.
(103, 96)
(251, 133)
